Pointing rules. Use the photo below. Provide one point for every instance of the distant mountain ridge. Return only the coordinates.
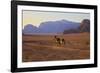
(57, 26)
(84, 27)
(29, 29)
(51, 27)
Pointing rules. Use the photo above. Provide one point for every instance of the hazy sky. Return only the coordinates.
(37, 17)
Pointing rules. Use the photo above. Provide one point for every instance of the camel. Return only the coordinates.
(59, 41)
(62, 41)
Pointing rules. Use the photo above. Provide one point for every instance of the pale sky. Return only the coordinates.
(37, 17)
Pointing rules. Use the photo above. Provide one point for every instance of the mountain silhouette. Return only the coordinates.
(57, 26)
(30, 29)
(51, 27)
(84, 27)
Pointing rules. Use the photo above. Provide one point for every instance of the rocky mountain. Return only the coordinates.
(84, 27)
(51, 27)
(57, 26)
(29, 29)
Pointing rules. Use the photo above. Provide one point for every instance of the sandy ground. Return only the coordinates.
(45, 48)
